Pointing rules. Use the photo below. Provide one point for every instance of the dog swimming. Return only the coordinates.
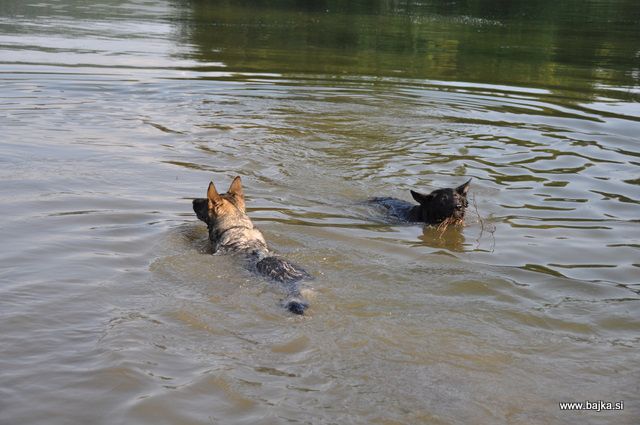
(231, 232)
(441, 207)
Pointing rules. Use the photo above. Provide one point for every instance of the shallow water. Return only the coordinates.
(115, 115)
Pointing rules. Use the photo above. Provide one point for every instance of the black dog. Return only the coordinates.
(440, 207)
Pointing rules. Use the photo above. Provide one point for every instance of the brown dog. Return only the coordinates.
(232, 232)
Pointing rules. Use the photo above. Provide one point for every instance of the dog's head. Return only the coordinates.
(443, 204)
(216, 207)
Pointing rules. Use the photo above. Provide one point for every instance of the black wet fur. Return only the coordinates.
(288, 275)
(280, 270)
(296, 306)
(201, 210)
(432, 208)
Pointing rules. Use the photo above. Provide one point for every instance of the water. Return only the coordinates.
(115, 114)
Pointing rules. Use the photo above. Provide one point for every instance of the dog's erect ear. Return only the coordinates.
(463, 189)
(236, 190)
(420, 198)
(213, 196)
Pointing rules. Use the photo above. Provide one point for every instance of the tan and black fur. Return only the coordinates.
(232, 232)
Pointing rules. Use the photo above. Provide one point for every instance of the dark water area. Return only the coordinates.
(115, 114)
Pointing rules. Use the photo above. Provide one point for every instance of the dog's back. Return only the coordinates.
(397, 209)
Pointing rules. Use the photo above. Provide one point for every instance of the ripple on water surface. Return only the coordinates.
(111, 297)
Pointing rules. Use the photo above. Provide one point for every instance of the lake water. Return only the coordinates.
(115, 113)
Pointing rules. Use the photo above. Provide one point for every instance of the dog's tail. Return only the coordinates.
(296, 305)
(288, 274)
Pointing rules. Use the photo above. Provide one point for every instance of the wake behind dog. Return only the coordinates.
(232, 232)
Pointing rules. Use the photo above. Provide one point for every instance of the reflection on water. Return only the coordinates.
(573, 45)
(117, 113)
(450, 238)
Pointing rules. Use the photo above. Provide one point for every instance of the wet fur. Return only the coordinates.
(232, 232)
(442, 207)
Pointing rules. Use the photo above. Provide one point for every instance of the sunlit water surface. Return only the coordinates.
(115, 114)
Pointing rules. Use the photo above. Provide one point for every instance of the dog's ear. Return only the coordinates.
(236, 190)
(213, 196)
(464, 188)
(236, 187)
(420, 198)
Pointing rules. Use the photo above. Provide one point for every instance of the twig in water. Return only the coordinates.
(492, 231)
(449, 221)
